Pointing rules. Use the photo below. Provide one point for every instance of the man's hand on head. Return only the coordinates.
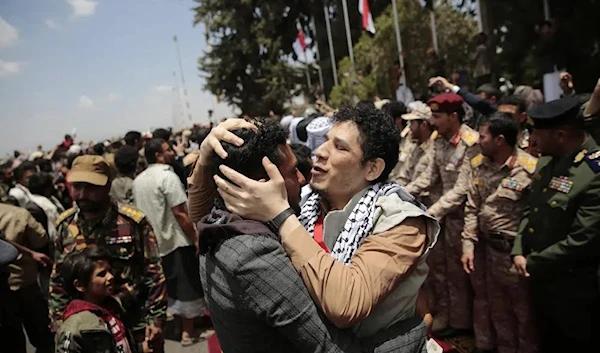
(441, 81)
(258, 200)
(222, 133)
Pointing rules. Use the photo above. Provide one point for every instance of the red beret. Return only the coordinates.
(445, 103)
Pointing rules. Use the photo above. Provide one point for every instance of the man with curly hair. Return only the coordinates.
(358, 242)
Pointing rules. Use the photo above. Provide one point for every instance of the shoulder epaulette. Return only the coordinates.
(63, 216)
(477, 160)
(593, 160)
(470, 136)
(528, 162)
(131, 212)
(434, 135)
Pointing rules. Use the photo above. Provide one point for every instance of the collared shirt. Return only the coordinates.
(404, 94)
(156, 191)
(495, 198)
(20, 227)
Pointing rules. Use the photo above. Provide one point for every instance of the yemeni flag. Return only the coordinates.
(367, 18)
(301, 39)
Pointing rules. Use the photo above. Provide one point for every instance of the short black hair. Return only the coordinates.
(365, 103)
(503, 124)
(490, 90)
(395, 109)
(162, 134)
(99, 149)
(80, 265)
(514, 100)
(379, 135)
(19, 172)
(126, 159)
(68, 137)
(247, 159)
(153, 147)
(39, 183)
(131, 137)
(303, 155)
(6, 165)
(44, 165)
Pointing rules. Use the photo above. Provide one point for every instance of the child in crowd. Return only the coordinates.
(90, 323)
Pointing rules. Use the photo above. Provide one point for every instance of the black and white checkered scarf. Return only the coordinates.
(359, 224)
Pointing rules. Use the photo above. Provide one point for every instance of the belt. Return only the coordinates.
(501, 241)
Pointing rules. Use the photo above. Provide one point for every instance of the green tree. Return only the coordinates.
(376, 55)
(248, 60)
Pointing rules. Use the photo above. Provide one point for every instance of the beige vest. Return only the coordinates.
(391, 211)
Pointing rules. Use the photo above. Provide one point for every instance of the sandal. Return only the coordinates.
(186, 342)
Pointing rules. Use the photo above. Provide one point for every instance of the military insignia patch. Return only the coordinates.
(434, 107)
(528, 163)
(68, 213)
(561, 184)
(579, 157)
(512, 184)
(477, 160)
(470, 137)
(131, 212)
(593, 160)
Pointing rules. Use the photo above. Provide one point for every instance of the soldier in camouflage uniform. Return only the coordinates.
(495, 203)
(5, 180)
(123, 230)
(420, 157)
(454, 149)
(558, 243)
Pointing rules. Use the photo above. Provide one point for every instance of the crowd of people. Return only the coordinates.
(382, 226)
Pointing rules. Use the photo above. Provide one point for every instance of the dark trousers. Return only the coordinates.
(566, 310)
(30, 311)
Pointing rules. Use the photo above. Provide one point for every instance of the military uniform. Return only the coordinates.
(560, 237)
(127, 235)
(450, 166)
(493, 211)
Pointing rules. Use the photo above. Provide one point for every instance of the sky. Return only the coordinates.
(100, 68)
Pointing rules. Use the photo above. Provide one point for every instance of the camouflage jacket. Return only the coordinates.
(135, 262)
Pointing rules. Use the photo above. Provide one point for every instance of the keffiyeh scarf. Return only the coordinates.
(358, 225)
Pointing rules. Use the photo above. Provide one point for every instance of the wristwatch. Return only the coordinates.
(276, 222)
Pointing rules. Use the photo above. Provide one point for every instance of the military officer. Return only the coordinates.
(495, 202)
(455, 147)
(129, 238)
(558, 243)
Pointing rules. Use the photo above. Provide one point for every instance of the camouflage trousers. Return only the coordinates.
(510, 304)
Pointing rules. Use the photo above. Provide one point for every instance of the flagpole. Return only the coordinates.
(434, 32)
(398, 40)
(319, 71)
(330, 41)
(348, 35)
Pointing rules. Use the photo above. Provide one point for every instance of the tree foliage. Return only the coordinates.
(248, 60)
(376, 55)
(514, 27)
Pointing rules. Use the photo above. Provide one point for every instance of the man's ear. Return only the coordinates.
(374, 169)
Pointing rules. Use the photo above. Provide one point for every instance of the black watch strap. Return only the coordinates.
(276, 222)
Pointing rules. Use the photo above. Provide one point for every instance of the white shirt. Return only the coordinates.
(156, 191)
(404, 94)
(21, 193)
(51, 211)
